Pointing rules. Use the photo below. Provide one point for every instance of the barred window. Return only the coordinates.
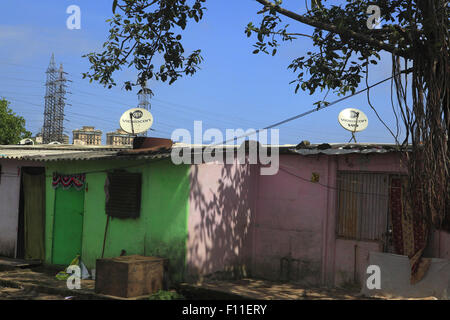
(123, 194)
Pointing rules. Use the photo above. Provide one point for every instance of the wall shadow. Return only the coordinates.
(220, 220)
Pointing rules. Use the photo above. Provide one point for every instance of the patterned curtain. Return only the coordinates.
(67, 181)
(409, 230)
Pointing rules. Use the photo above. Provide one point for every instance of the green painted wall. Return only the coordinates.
(160, 230)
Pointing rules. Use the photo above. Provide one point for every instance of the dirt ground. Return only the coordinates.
(268, 290)
(26, 294)
(40, 284)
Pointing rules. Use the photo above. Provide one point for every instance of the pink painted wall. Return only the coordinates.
(294, 231)
(443, 245)
(289, 222)
(220, 217)
(383, 162)
(352, 260)
(282, 227)
(9, 204)
(9, 208)
(340, 269)
(440, 245)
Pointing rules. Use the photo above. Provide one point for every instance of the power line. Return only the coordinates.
(222, 117)
(301, 115)
(90, 116)
(337, 188)
(80, 115)
(290, 132)
(193, 110)
(189, 109)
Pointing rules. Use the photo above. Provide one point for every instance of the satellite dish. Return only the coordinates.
(26, 141)
(353, 120)
(136, 120)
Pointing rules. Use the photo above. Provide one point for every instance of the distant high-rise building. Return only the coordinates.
(54, 103)
(119, 138)
(65, 139)
(87, 136)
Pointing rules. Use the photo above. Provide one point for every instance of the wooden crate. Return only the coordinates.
(130, 276)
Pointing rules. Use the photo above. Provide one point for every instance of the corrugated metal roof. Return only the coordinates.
(71, 152)
(345, 148)
(62, 147)
(27, 154)
(74, 155)
(57, 152)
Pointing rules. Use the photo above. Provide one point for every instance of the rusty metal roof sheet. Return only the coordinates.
(344, 148)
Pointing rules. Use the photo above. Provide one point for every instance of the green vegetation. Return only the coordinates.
(147, 35)
(166, 295)
(12, 126)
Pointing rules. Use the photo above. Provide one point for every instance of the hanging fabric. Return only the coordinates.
(409, 231)
(34, 212)
(67, 181)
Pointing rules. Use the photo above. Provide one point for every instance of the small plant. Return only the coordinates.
(166, 295)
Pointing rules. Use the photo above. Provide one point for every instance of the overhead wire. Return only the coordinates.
(222, 118)
(255, 131)
(184, 110)
(303, 114)
(177, 114)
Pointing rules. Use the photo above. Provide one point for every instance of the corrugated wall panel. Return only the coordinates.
(362, 205)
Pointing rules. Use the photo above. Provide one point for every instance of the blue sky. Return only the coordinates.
(234, 88)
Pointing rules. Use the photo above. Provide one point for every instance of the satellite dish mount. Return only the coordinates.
(131, 121)
(353, 132)
(353, 120)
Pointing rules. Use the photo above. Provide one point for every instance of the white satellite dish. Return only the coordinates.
(26, 141)
(353, 120)
(136, 120)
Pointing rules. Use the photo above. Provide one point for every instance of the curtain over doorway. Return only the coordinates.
(33, 184)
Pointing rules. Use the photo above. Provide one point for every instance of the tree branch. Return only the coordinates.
(332, 28)
(288, 34)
